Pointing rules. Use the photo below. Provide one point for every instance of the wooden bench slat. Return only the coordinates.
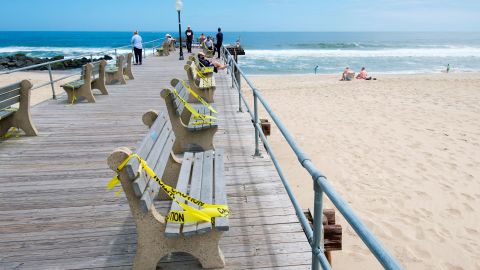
(150, 193)
(206, 193)
(207, 82)
(195, 188)
(9, 95)
(157, 149)
(111, 69)
(9, 102)
(221, 223)
(10, 87)
(202, 110)
(182, 93)
(6, 113)
(75, 84)
(139, 185)
(143, 151)
(151, 158)
(166, 152)
(157, 160)
(173, 229)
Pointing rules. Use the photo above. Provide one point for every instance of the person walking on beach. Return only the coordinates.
(219, 41)
(137, 47)
(448, 68)
(189, 35)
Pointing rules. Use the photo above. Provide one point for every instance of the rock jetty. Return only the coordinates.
(21, 60)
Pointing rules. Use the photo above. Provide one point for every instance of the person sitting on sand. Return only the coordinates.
(345, 73)
(204, 62)
(362, 75)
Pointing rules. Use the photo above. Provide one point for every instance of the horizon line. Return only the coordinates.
(249, 31)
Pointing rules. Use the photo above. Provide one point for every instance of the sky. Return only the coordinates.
(241, 15)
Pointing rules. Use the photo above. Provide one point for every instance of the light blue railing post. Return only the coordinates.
(317, 226)
(255, 111)
(51, 81)
(238, 79)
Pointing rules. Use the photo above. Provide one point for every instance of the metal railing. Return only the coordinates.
(90, 55)
(320, 182)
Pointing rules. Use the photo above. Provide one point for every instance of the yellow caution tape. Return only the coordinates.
(10, 133)
(192, 110)
(73, 92)
(198, 97)
(208, 80)
(189, 214)
(202, 67)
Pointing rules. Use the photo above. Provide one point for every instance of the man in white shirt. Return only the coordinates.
(137, 47)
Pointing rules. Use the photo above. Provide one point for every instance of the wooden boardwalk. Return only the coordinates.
(55, 212)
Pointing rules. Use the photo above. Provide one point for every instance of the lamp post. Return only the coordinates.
(179, 6)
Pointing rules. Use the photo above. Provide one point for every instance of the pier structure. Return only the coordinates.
(56, 213)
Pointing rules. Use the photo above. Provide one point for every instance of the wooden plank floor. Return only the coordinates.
(55, 212)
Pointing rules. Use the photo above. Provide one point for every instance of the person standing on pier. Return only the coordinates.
(137, 47)
(219, 41)
(189, 35)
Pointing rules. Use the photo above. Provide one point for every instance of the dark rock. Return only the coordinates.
(58, 57)
(20, 56)
(21, 60)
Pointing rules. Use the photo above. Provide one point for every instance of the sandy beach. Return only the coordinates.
(404, 151)
(37, 78)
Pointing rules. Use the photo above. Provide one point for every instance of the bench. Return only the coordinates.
(190, 136)
(172, 45)
(92, 77)
(200, 175)
(16, 117)
(114, 74)
(203, 86)
(208, 53)
(164, 51)
(127, 66)
(206, 71)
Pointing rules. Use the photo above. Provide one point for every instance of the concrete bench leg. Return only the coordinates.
(115, 77)
(152, 244)
(100, 85)
(84, 91)
(5, 125)
(22, 118)
(128, 72)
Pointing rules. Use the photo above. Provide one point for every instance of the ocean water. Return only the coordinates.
(288, 53)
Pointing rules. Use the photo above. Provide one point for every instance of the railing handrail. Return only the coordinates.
(321, 185)
(72, 58)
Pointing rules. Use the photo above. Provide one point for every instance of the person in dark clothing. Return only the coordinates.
(204, 62)
(189, 35)
(219, 41)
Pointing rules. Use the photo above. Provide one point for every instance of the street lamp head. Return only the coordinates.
(179, 5)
